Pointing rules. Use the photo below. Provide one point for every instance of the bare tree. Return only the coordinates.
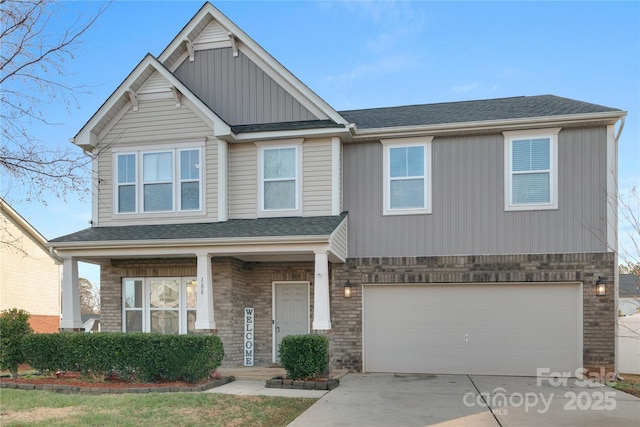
(34, 70)
(89, 297)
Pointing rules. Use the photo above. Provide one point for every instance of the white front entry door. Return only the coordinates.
(290, 311)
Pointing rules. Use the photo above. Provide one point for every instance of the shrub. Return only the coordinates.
(304, 356)
(136, 356)
(14, 325)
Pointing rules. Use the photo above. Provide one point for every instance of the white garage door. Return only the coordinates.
(490, 329)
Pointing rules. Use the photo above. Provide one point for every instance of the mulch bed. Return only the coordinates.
(72, 383)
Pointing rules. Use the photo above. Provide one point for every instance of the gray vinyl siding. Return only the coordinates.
(237, 90)
(316, 177)
(243, 181)
(156, 121)
(468, 201)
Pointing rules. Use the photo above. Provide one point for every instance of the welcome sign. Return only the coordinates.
(248, 336)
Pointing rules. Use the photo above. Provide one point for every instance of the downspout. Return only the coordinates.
(616, 272)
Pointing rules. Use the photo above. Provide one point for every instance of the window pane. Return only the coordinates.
(164, 293)
(280, 195)
(157, 167)
(190, 195)
(531, 154)
(415, 161)
(158, 197)
(126, 168)
(191, 321)
(133, 322)
(164, 321)
(531, 188)
(280, 163)
(407, 194)
(190, 164)
(133, 293)
(398, 162)
(192, 293)
(127, 198)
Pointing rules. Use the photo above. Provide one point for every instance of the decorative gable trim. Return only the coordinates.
(205, 28)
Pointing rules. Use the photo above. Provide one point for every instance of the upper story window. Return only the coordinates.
(166, 180)
(531, 169)
(407, 176)
(279, 176)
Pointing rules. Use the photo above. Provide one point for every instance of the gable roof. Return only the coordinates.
(232, 229)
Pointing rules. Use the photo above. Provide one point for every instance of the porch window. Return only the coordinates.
(159, 304)
(158, 181)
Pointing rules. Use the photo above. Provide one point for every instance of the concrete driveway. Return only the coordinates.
(461, 400)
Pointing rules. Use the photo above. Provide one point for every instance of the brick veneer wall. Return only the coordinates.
(43, 324)
(236, 285)
(599, 315)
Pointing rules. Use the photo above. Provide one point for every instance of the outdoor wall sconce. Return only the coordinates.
(601, 287)
(347, 289)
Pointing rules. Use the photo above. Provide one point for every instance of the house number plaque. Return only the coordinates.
(248, 336)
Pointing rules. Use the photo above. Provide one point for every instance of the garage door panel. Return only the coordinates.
(482, 328)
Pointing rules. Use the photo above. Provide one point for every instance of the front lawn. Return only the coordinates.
(42, 408)
(631, 384)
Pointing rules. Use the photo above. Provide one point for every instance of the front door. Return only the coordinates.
(291, 312)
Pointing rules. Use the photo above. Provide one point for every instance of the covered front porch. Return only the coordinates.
(222, 275)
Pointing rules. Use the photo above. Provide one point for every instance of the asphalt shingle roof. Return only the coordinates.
(629, 286)
(233, 228)
(269, 127)
(471, 111)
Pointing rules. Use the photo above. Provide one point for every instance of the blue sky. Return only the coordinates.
(374, 54)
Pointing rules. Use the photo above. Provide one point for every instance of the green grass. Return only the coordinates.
(631, 384)
(42, 408)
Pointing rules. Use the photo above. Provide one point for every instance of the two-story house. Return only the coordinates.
(463, 237)
(30, 277)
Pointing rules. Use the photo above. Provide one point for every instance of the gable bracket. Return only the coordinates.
(190, 49)
(133, 98)
(234, 44)
(176, 96)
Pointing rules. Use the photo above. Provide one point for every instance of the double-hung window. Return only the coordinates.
(279, 176)
(163, 305)
(531, 169)
(166, 180)
(407, 176)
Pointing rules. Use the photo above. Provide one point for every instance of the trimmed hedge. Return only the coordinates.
(304, 356)
(136, 356)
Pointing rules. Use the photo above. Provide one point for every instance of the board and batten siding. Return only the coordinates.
(468, 201)
(316, 193)
(237, 90)
(157, 121)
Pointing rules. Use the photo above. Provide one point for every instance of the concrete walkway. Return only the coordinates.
(461, 400)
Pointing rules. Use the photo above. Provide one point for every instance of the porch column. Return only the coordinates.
(204, 301)
(321, 310)
(71, 319)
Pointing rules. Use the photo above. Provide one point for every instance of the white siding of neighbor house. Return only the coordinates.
(157, 121)
(468, 201)
(316, 177)
(243, 181)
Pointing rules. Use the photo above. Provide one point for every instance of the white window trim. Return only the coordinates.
(139, 151)
(297, 145)
(146, 306)
(387, 144)
(509, 137)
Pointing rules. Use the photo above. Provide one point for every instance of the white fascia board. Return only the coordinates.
(546, 121)
(86, 137)
(287, 134)
(256, 53)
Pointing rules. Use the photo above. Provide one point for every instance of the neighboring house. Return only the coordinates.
(91, 322)
(30, 276)
(629, 295)
(466, 232)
